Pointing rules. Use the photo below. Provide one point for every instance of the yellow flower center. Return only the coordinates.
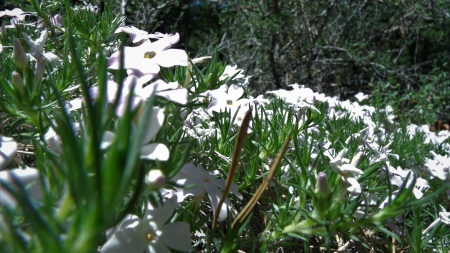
(149, 55)
(230, 102)
(150, 237)
(207, 180)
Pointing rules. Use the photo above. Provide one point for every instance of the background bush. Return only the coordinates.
(338, 47)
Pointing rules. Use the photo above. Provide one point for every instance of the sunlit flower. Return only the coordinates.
(444, 217)
(8, 148)
(361, 96)
(133, 89)
(37, 48)
(15, 13)
(231, 71)
(150, 234)
(148, 57)
(398, 177)
(228, 99)
(432, 137)
(439, 166)
(136, 34)
(204, 181)
(149, 151)
(27, 179)
(348, 171)
(54, 141)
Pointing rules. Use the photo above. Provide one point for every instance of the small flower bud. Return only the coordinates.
(322, 186)
(18, 82)
(20, 58)
(155, 179)
(322, 198)
(357, 159)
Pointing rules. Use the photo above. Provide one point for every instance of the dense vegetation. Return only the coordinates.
(400, 48)
(339, 47)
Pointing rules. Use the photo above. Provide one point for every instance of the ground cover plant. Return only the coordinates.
(112, 140)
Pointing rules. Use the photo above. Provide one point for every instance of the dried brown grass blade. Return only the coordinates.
(240, 141)
(251, 204)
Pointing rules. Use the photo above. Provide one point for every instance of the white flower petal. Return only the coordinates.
(154, 123)
(126, 240)
(350, 170)
(179, 96)
(218, 94)
(355, 187)
(180, 231)
(214, 196)
(161, 214)
(155, 151)
(171, 57)
(235, 92)
(108, 138)
(28, 179)
(8, 148)
(53, 59)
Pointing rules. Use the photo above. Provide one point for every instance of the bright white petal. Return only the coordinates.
(214, 196)
(28, 178)
(161, 214)
(114, 60)
(123, 102)
(126, 240)
(348, 169)
(8, 148)
(155, 151)
(154, 123)
(235, 92)
(198, 181)
(235, 190)
(108, 138)
(171, 57)
(165, 42)
(355, 187)
(180, 231)
(218, 94)
(179, 96)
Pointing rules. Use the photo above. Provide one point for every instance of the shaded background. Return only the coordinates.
(401, 49)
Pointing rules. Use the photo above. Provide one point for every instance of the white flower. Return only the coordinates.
(136, 34)
(36, 50)
(149, 151)
(228, 100)
(444, 217)
(431, 137)
(361, 96)
(348, 171)
(398, 176)
(133, 89)
(151, 233)
(8, 148)
(54, 141)
(28, 179)
(231, 71)
(204, 181)
(148, 57)
(439, 166)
